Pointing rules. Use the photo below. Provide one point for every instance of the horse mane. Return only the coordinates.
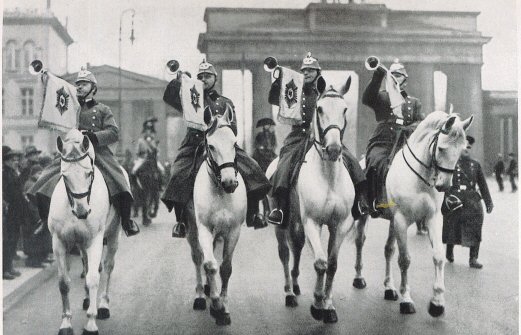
(433, 123)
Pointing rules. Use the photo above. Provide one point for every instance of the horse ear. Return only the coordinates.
(321, 84)
(85, 143)
(448, 124)
(468, 122)
(344, 89)
(208, 116)
(59, 144)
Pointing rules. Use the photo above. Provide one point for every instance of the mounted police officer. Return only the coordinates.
(179, 190)
(147, 146)
(392, 130)
(299, 141)
(265, 143)
(97, 122)
(462, 210)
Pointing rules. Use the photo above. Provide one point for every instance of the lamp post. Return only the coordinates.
(132, 38)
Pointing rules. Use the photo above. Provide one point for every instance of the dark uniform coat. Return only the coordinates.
(387, 131)
(97, 119)
(463, 225)
(265, 144)
(190, 156)
(12, 195)
(298, 142)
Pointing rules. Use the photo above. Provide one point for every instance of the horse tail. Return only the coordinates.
(355, 226)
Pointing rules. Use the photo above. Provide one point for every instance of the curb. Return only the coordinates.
(32, 283)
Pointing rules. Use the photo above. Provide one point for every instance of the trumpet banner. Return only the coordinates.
(192, 100)
(395, 96)
(290, 111)
(60, 107)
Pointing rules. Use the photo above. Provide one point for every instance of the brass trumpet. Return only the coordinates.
(173, 66)
(36, 67)
(271, 65)
(373, 62)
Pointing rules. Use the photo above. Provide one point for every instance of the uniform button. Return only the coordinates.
(409, 108)
(93, 125)
(303, 106)
(94, 118)
(94, 110)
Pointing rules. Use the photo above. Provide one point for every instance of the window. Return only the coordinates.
(27, 140)
(27, 101)
(11, 53)
(29, 53)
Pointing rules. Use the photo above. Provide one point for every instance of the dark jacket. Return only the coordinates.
(512, 168)
(100, 126)
(12, 194)
(463, 225)
(499, 168)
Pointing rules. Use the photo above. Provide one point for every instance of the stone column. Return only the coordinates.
(420, 84)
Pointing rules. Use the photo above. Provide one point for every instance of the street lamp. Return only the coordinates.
(132, 38)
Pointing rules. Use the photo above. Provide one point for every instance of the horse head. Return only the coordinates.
(220, 142)
(446, 142)
(77, 170)
(331, 115)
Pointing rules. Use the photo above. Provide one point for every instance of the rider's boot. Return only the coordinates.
(253, 217)
(179, 229)
(276, 216)
(363, 205)
(124, 204)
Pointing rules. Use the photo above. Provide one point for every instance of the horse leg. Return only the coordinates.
(108, 264)
(390, 290)
(437, 305)
(94, 253)
(298, 239)
(85, 267)
(312, 231)
(404, 260)
(197, 259)
(210, 266)
(281, 235)
(336, 237)
(225, 271)
(359, 281)
(64, 282)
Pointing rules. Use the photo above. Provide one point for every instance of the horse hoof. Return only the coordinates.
(223, 320)
(87, 332)
(199, 304)
(391, 295)
(291, 301)
(317, 314)
(330, 316)
(359, 283)
(407, 308)
(435, 310)
(207, 290)
(213, 312)
(66, 331)
(86, 304)
(296, 289)
(103, 313)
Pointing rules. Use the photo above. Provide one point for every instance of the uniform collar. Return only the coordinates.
(404, 94)
(213, 94)
(89, 103)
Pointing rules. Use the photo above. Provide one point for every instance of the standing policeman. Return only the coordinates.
(179, 190)
(462, 210)
(97, 122)
(391, 130)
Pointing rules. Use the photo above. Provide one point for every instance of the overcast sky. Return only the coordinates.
(166, 29)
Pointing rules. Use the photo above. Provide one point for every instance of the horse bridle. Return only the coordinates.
(71, 195)
(322, 132)
(212, 164)
(434, 161)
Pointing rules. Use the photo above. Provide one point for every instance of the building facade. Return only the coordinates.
(342, 36)
(29, 35)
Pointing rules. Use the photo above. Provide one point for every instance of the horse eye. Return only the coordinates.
(211, 147)
(319, 110)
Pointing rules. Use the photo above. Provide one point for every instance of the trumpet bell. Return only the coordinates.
(36, 67)
(372, 63)
(172, 66)
(270, 63)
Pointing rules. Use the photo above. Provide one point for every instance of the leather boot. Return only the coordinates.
(473, 261)
(179, 229)
(276, 216)
(449, 253)
(364, 206)
(124, 204)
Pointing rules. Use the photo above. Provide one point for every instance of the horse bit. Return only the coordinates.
(70, 194)
(434, 161)
(212, 164)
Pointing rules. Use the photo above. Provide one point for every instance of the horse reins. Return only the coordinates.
(212, 164)
(434, 161)
(71, 195)
(322, 132)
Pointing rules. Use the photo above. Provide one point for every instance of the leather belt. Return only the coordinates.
(394, 121)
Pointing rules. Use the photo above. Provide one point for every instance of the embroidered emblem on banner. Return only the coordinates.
(62, 100)
(195, 98)
(291, 93)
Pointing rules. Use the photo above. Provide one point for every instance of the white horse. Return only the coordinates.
(323, 195)
(419, 172)
(80, 214)
(217, 212)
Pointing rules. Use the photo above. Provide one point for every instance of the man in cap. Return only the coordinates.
(391, 131)
(97, 122)
(512, 170)
(179, 190)
(13, 209)
(265, 143)
(298, 142)
(147, 146)
(462, 210)
(32, 158)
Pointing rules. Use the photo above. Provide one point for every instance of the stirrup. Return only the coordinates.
(179, 230)
(277, 222)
